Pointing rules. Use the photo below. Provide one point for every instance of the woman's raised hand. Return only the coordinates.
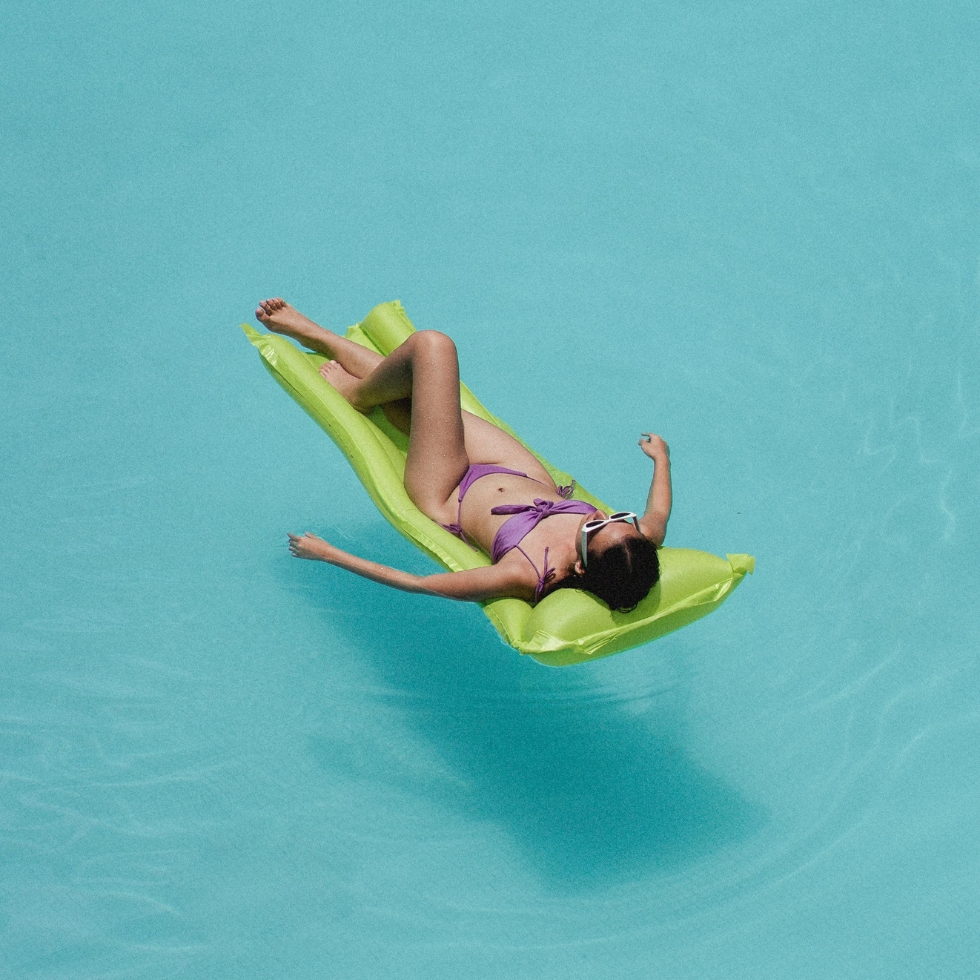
(309, 546)
(654, 446)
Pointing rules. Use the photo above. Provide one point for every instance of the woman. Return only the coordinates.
(482, 484)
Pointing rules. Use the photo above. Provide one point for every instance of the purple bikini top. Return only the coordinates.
(526, 518)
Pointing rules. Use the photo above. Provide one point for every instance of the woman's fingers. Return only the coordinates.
(651, 443)
(307, 545)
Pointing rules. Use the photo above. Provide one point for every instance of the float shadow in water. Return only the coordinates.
(593, 787)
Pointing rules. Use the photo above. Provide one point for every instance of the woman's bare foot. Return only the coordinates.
(344, 382)
(279, 316)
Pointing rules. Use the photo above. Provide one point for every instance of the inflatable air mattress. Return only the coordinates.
(567, 627)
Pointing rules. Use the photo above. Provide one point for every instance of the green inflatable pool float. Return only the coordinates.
(567, 627)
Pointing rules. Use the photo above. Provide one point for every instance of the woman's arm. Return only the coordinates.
(657, 513)
(471, 585)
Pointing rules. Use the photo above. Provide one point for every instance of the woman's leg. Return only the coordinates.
(484, 443)
(280, 317)
(424, 368)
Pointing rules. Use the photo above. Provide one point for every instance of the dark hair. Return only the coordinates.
(622, 575)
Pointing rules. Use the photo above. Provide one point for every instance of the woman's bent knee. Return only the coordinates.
(435, 340)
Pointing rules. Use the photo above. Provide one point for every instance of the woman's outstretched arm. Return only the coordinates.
(657, 513)
(471, 585)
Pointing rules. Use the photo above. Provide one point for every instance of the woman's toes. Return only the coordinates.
(267, 308)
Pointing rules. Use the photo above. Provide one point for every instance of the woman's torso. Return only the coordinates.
(480, 526)
(532, 532)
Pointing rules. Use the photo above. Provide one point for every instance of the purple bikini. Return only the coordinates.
(526, 518)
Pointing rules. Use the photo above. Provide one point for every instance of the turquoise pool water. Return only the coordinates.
(750, 227)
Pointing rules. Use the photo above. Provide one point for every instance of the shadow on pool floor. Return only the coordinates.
(591, 792)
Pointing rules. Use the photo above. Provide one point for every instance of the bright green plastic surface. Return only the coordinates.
(567, 627)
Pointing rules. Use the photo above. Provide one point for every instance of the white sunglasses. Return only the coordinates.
(590, 527)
